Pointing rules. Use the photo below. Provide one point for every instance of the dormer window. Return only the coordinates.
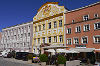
(95, 15)
(86, 17)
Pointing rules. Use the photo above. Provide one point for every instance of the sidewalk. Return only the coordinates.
(20, 61)
(38, 64)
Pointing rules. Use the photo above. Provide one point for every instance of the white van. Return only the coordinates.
(4, 53)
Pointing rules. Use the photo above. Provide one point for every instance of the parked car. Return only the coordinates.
(9, 55)
(4, 54)
(0, 54)
(21, 55)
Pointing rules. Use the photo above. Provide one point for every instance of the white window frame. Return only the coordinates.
(67, 41)
(84, 17)
(94, 38)
(70, 31)
(55, 24)
(73, 21)
(43, 39)
(86, 27)
(43, 26)
(95, 15)
(49, 25)
(55, 38)
(74, 40)
(60, 23)
(35, 28)
(39, 27)
(82, 40)
(78, 28)
(61, 37)
(49, 39)
(95, 27)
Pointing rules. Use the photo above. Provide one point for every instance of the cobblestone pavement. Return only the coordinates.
(13, 62)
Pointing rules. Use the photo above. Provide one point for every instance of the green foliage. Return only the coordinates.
(43, 58)
(30, 56)
(61, 59)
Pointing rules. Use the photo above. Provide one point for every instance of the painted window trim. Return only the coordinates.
(94, 38)
(84, 27)
(74, 41)
(95, 27)
(67, 41)
(82, 40)
(84, 19)
(76, 29)
(71, 30)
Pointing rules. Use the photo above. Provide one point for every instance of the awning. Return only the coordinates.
(66, 51)
(83, 49)
(50, 50)
(62, 51)
(97, 49)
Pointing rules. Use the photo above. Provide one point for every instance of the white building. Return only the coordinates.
(18, 37)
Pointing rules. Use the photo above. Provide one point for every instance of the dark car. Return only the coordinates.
(9, 55)
(21, 55)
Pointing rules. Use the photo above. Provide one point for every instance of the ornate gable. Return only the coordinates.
(47, 10)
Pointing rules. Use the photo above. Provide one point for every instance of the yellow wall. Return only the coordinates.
(55, 14)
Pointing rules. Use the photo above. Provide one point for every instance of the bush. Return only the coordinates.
(30, 56)
(43, 58)
(61, 59)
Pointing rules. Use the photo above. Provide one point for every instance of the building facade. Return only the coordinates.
(18, 37)
(48, 26)
(1, 46)
(83, 27)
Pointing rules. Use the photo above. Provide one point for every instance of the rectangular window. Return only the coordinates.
(49, 39)
(28, 34)
(55, 24)
(43, 26)
(35, 28)
(84, 40)
(39, 27)
(86, 27)
(60, 23)
(73, 21)
(55, 38)
(69, 41)
(21, 35)
(69, 31)
(49, 25)
(85, 17)
(78, 29)
(97, 25)
(43, 39)
(38, 40)
(61, 38)
(95, 15)
(97, 39)
(76, 41)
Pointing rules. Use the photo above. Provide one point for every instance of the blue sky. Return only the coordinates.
(14, 12)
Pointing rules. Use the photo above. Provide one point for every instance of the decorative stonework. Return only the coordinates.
(48, 10)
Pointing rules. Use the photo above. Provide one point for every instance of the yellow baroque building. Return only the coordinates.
(48, 26)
